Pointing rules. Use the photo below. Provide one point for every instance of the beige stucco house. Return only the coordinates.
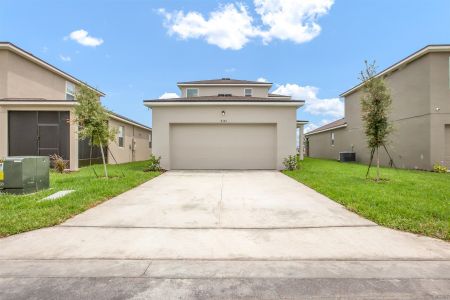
(225, 124)
(37, 112)
(420, 88)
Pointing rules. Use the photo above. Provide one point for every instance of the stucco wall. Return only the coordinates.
(258, 91)
(439, 106)
(320, 144)
(283, 117)
(125, 154)
(26, 79)
(3, 72)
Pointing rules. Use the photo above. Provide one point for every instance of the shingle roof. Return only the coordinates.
(223, 81)
(329, 126)
(221, 98)
(128, 119)
(277, 95)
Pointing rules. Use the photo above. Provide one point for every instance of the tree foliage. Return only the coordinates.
(375, 107)
(92, 120)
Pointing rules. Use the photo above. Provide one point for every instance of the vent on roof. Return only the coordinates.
(225, 78)
(224, 95)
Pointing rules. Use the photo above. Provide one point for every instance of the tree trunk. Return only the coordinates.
(378, 165)
(104, 162)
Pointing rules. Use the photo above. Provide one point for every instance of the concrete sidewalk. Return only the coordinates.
(222, 234)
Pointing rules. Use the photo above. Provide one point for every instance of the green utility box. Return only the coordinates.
(25, 174)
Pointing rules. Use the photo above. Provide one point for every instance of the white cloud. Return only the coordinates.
(313, 104)
(261, 79)
(168, 95)
(65, 57)
(82, 37)
(230, 70)
(290, 19)
(231, 26)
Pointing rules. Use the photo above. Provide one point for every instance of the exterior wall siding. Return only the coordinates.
(320, 144)
(3, 72)
(439, 107)
(125, 154)
(26, 79)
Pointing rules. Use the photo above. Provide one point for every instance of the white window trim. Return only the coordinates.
(123, 136)
(198, 91)
(251, 92)
(67, 90)
(333, 139)
(150, 141)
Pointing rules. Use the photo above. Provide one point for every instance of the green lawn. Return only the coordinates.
(415, 201)
(19, 213)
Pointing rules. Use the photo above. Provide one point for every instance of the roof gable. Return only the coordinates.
(416, 55)
(27, 55)
(333, 125)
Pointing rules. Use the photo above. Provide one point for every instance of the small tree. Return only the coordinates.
(375, 105)
(92, 120)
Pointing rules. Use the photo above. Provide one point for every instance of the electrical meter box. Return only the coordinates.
(25, 174)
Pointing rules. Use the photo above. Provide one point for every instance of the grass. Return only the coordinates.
(20, 213)
(414, 201)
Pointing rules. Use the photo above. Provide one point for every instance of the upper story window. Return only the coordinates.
(191, 92)
(149, 140)
(70, 91)
(248, 92)
(332, 139)
(120, 136)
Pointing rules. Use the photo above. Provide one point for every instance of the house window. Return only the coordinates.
(332, 139)
(248, 92)
(70, 91)
(191, 92)
(150, 140)
(120, 136)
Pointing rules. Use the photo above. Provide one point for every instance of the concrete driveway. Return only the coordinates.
(228, 234)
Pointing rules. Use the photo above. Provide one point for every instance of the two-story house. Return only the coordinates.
(420, 114)
(225, 124)
(37, 103)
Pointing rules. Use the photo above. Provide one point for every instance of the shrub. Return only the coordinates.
(292, 162)
(58, 163)
(439, 168)
(154, 163)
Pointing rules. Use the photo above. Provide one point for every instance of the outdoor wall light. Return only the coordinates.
(223, 113)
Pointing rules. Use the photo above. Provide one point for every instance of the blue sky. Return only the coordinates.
(135, 50)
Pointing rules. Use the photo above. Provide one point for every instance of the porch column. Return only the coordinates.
(301, 142)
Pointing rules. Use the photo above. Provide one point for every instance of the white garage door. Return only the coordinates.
(227, 146)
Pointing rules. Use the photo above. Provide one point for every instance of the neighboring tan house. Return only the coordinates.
(225, 124)
(420, 113)
(37, 103)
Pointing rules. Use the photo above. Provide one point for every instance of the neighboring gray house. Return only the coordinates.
(420, 88)
(225, 124)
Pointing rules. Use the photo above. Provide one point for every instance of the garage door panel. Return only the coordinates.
(217, 146)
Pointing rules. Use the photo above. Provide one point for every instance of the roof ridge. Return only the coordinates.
(329, 126)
